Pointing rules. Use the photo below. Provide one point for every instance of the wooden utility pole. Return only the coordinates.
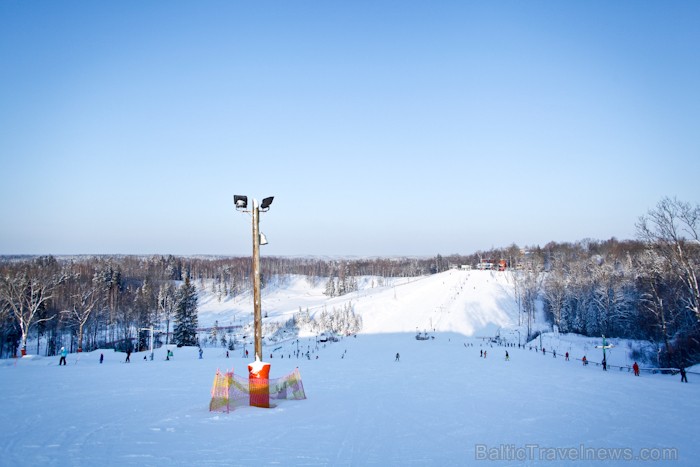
(257, 307)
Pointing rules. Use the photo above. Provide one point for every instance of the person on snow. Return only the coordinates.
(484, 354)
(684, 377)
(605, 365)
(635, 368)
(62, 360)
(566, 357)
(397, 357)
(128, 356)
(585, 362)
(481, 353)
(102, 357)
(554, 352)
(507, 356)
(200, 353)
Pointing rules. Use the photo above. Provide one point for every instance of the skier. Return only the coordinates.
(484, 354)
(554, 352)
(543, 351)
(605, 365)
(200, 353)
(684, 377)
(397, 357)
(128, 356)
(566, 357)
(585, 362)
(481, 353)
(507, 356)
(227, 354)
(62, 360)
(102, 357)
(635, 368)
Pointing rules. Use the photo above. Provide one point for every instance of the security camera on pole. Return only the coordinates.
(258, 371)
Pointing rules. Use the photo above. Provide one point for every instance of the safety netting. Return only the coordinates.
(230, 390)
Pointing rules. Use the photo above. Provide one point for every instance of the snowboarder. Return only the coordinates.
(635, 368)
(397, 357)
(128, 356)
(62, 360)
(684, 377)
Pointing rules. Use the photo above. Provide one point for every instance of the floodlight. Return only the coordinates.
(241, 202)
(266, 202)
(263, 239)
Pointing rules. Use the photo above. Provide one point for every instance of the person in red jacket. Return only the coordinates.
(635, 368)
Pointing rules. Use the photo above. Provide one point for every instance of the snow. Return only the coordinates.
(442, 404)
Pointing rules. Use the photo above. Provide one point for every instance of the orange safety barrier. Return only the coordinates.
(259, 384)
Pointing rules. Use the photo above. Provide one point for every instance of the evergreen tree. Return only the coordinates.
(213, 336)
(185, 331)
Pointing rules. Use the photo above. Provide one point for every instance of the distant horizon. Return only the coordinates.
(314, 256)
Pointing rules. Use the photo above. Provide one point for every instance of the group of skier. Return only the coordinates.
(584, 360)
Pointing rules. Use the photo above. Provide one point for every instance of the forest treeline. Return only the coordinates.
(644, 289)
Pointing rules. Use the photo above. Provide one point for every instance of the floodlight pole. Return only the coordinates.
(256, 281)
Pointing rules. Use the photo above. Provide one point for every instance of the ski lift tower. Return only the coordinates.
(151, 339)
(604, 347)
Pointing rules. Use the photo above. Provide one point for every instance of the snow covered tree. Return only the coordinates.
(673, 230)
(28, 290)
(554, 293)
(330, 287)
(185, 331)
(167, 300)
(214, 333)
(85, 297)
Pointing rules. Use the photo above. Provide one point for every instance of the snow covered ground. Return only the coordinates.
(441, 404)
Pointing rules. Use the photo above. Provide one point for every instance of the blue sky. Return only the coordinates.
(381, 127)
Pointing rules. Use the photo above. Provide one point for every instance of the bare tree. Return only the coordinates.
(653, 270)
(555, 289)
(27, 290)
(166, 305)
(672, 228)
(85, 299)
